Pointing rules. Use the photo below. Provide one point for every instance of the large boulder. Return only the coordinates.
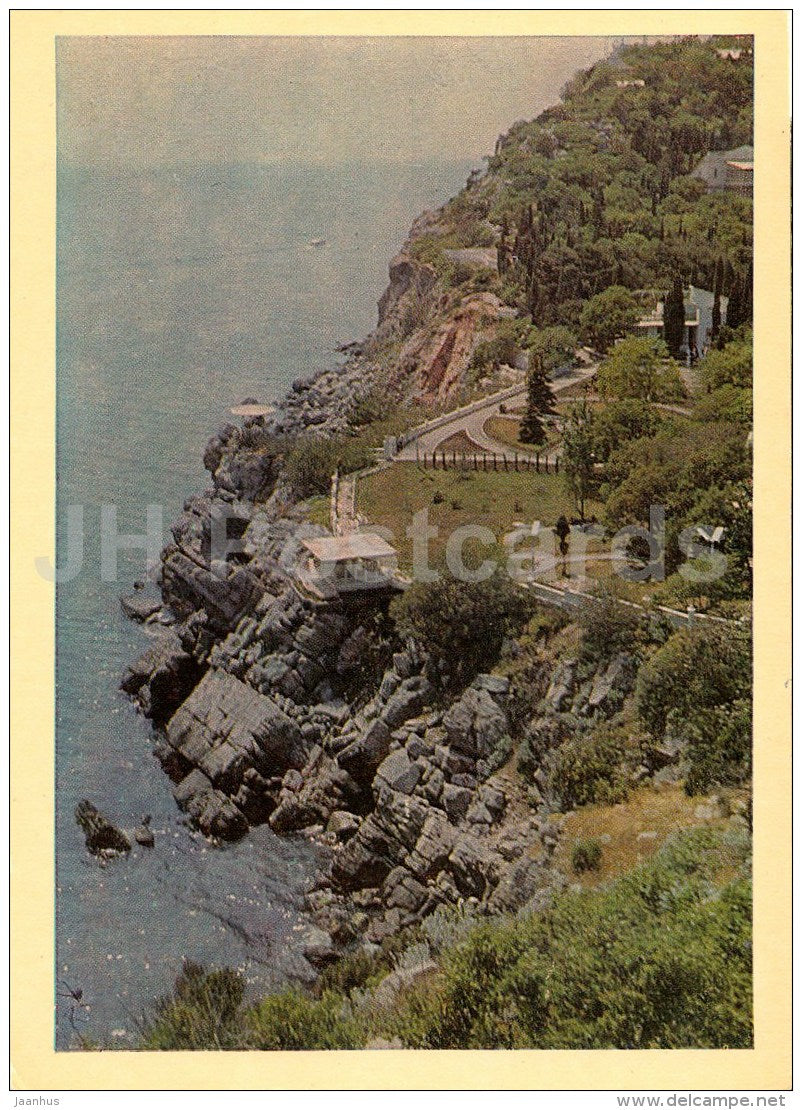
(361, 758)
(384, 840)
(562, 685)
(406, 702)
(398, 773)
(475, 724)
(162, 677)
(224, 727)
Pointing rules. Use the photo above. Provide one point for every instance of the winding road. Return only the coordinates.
(471, 421)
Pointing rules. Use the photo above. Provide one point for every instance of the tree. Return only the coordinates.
(539, 403)
(621, 422)
(739, 308)
(697, 668)
(732, 365)
(578, 456)
(553, 346)
(717, 284)
(640, 368)
(674, 317)
(607, 316)
(461, 625)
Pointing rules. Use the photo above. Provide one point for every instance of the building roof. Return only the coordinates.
(343, 549)
(741, 165)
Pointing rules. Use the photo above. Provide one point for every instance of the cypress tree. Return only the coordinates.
(674, 317)
(539, 403)
(718, 281)
(735, 314)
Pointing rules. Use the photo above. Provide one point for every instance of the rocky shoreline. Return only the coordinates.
(269, 705)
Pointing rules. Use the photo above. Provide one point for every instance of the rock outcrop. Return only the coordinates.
(101, 835)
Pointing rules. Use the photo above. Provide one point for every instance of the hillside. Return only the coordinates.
(534, 816)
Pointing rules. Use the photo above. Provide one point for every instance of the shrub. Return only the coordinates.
(608, 315)
(294, 1021)
(591, 767)
(697, 689)
(586, 855)
(608, 627)
(461, 625)
(204, 1011)
(312, 461)
(719, 744)
(660, 958)
(698, 668)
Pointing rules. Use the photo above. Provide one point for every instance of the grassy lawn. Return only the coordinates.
(319, 509)
(656, 811)
(506, 429)
(454, 498)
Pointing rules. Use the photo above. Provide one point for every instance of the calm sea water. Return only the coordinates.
(180, 292)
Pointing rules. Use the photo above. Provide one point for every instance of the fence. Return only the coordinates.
(490, 460)
(575, 599)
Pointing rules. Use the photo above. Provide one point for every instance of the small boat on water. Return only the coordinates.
(317, 242)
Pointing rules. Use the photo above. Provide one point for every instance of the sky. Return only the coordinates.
(160, 101)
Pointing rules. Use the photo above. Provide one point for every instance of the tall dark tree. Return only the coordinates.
(501, 249)
(578, 456)
(539, 403)
(718, 281)
(736, 313)
(674, 317)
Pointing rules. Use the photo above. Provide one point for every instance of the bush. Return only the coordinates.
(586, 855)
(204, 1011)
(591, 768)
(294, 1021)
(312, 461)
(608, 627)
(698, 668)
(660, 958)
(719, 744)
(461, 625)
(697, 689)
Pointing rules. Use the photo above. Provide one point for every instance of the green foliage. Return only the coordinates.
(607, 316)
(640, 369)
(620, 422)
(462, 625)
(719, 744)
(578, 454)
(727, 404)
(591, 767)
(312, 461)
(674, 317)
(608, 628)
(499, 349)
(204, 1011)
(293, 1021)
(730, 366)
(658, 959)
(539, 403)
(552, 347)
(699, 667)
(586, 855)
(670, 468)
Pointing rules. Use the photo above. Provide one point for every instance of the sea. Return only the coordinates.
(181, 290)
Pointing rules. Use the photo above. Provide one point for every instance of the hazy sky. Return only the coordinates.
(161, 100)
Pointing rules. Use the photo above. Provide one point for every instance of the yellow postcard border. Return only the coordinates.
(35, 1064)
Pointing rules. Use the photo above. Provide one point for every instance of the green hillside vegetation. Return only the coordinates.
(595, 215)
(660, 958)
(596, 199)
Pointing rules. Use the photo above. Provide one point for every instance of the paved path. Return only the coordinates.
(472, 423)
